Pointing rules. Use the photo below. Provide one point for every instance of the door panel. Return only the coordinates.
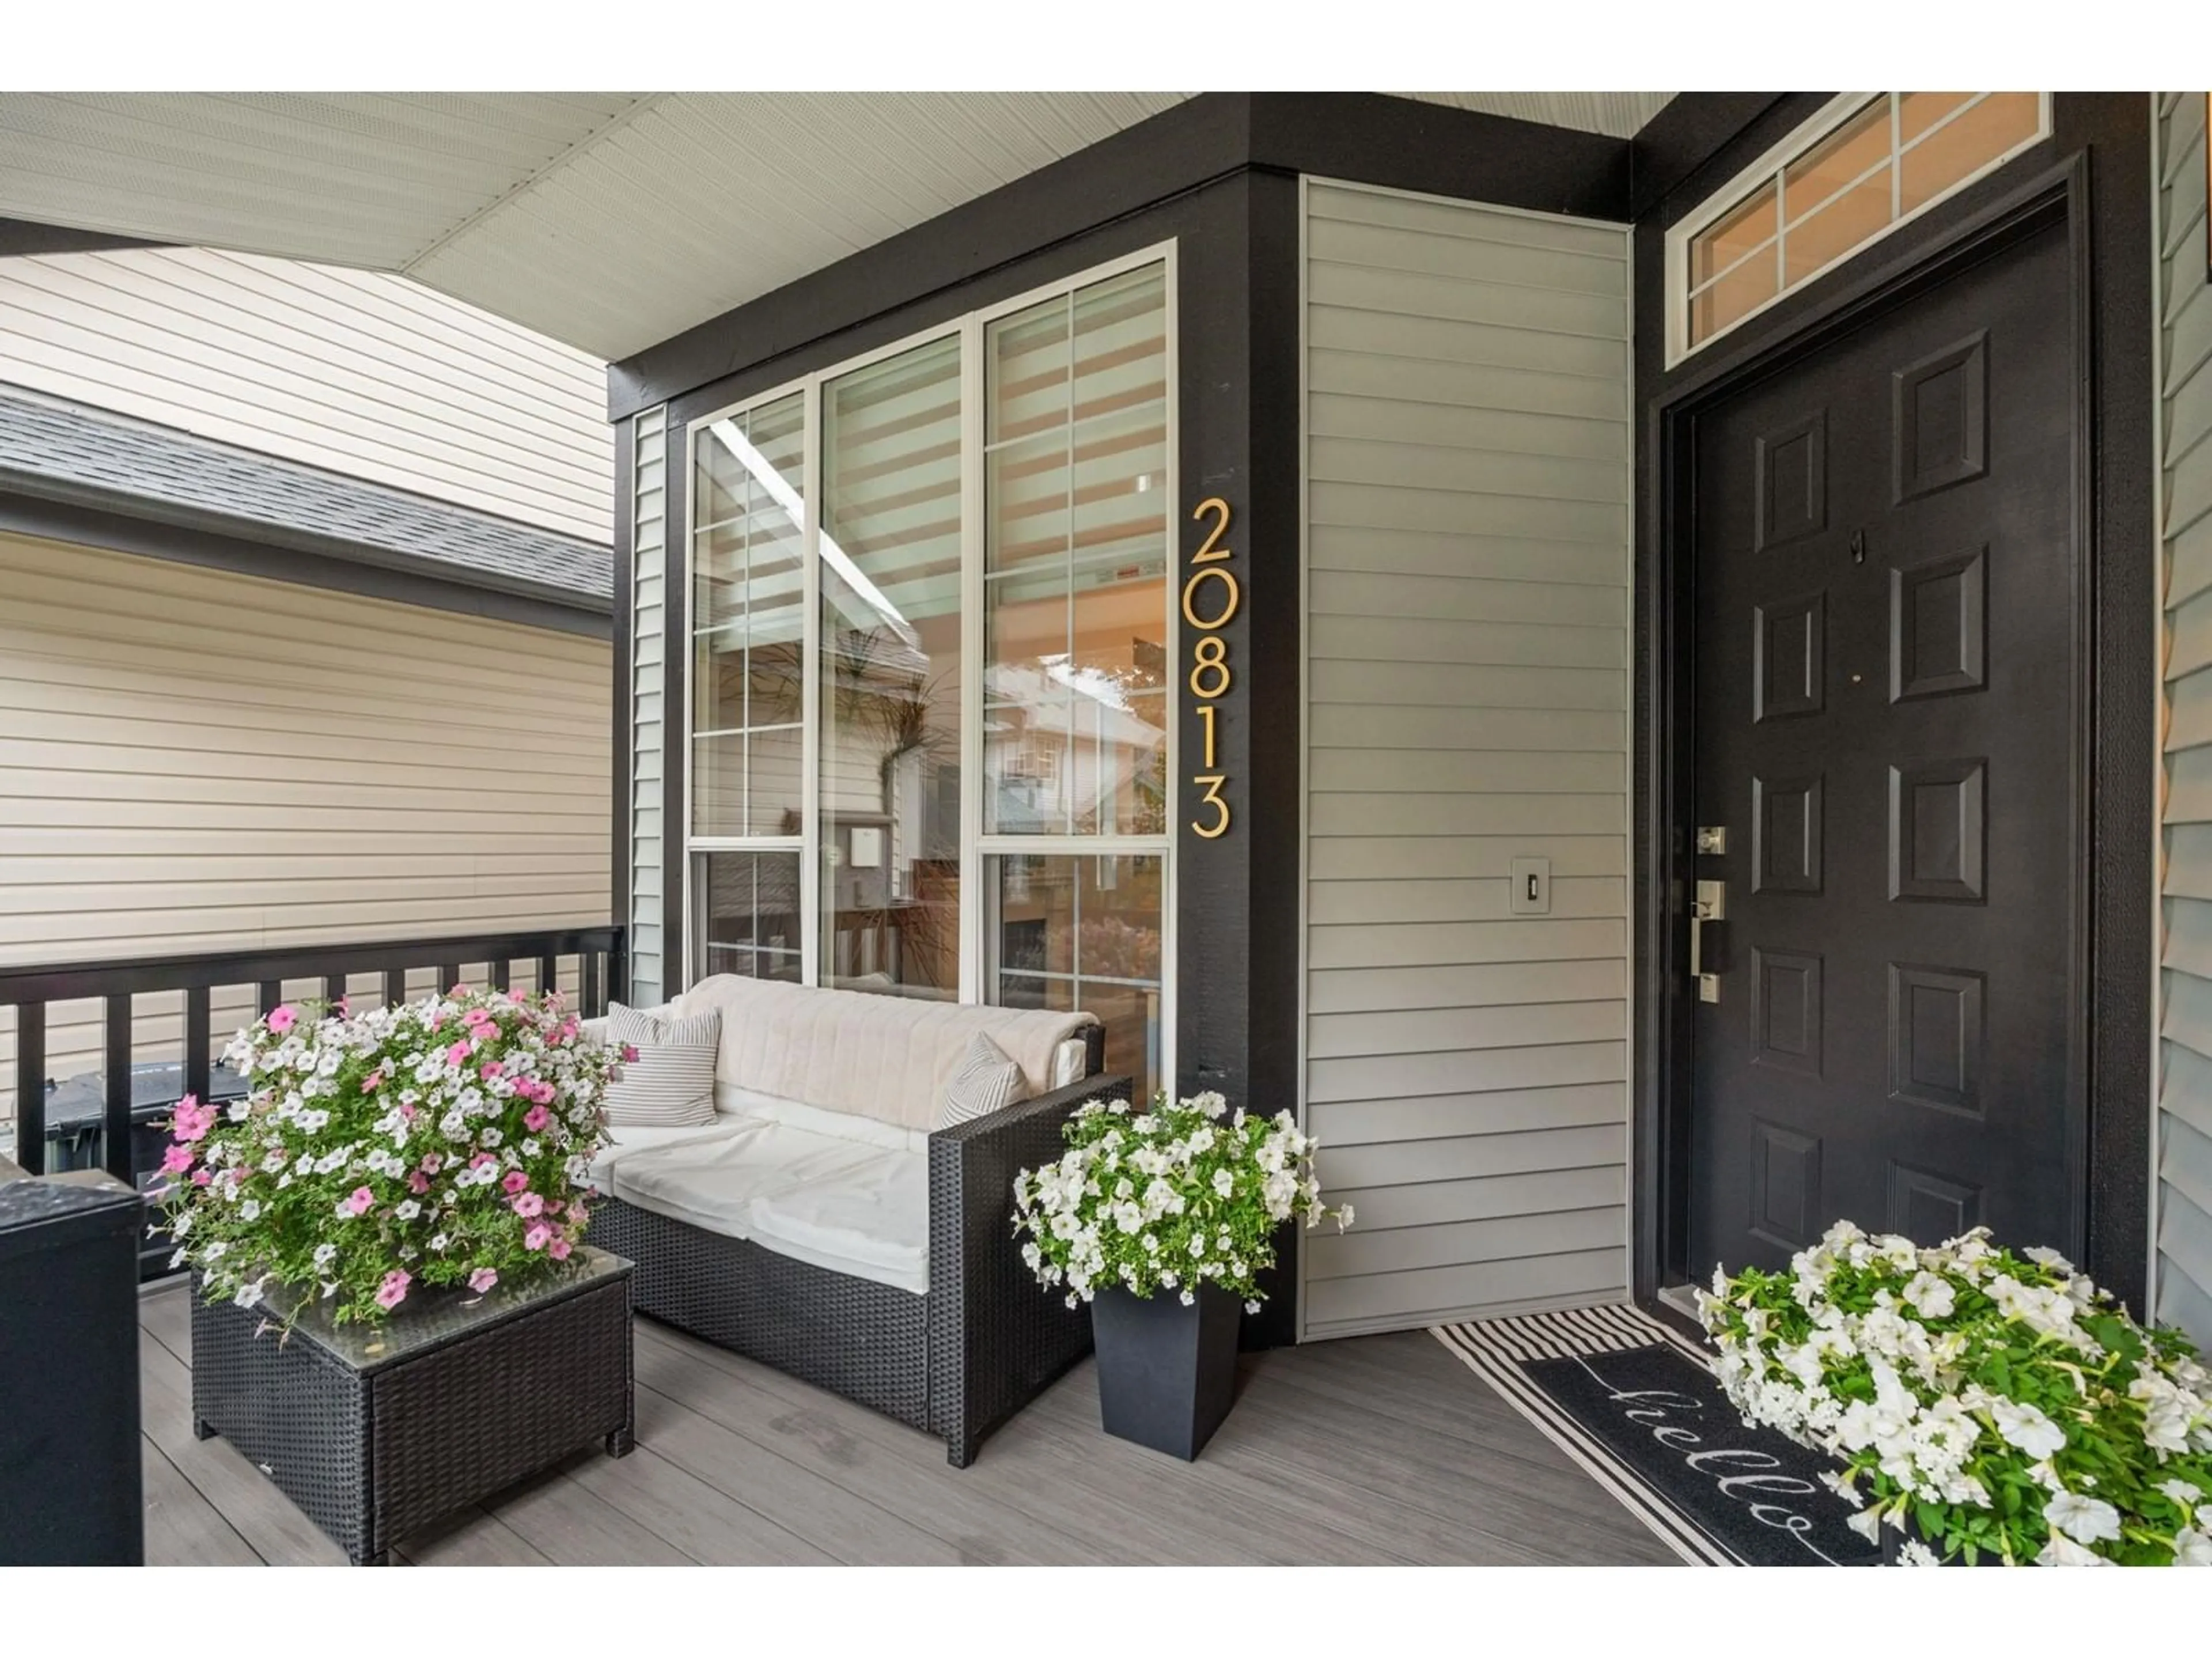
(1884, 725)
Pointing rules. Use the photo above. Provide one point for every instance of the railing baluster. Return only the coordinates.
(500, 970)
(589, 991)
(272, 992)
(334, 987)
(197, 1067)
(116, 1147)
(31, 1086)
(549, 974)
(449, 975)
(395, 985)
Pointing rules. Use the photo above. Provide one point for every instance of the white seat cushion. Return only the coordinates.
(872, 1221)
(624, 1139)
(712, 1184)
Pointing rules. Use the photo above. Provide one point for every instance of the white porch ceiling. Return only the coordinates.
(609, 221)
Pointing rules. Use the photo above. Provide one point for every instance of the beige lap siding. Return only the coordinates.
(1467, 563)
(196, 761)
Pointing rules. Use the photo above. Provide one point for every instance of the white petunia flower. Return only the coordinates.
(1914, 1553)
(2060, 1551)
(2192, 1548)
(2085, 1519)
(2182, 1493)
(2026, 1427)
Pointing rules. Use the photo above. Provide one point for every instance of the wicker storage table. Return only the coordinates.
(376, 1432)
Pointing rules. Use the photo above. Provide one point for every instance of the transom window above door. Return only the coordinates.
(1864, 165)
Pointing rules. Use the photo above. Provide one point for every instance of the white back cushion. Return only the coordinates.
(882, 1057)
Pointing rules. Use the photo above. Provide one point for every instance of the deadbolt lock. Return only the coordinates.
(1712, 838)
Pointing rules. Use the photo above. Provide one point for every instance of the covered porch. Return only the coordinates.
(932, 679)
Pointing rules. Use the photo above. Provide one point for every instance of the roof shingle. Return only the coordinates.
(63, 453)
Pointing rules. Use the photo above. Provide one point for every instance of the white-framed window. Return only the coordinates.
(1868, 162)
(930, 719)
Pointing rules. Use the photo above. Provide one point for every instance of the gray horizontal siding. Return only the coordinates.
(1466, 570)
(360, 373)
(652, 976)
(2182, 1292)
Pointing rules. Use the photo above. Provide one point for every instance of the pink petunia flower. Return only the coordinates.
(359, 1199)
(393, 1291)
(433, 1161)
(558, 1249)
(481, 1159)
(409, 1112)
(552, 1207)
(372, 1082)
(514, 1181)
(202, 1175)
(578, 1215)
(417, 1182)
(457, 1053)
(176, 1160)
(461, 988)
(491, 1068)
(629, 1054)
(529, 1205)
(537, 1236)
(482, 1279)
(282, 1017)
(535, 1119)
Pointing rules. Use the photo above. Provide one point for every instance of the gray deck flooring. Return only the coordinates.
(1374, 1449)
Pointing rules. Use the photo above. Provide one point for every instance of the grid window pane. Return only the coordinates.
(1951, 152)
(1075, 543)
(1838, 227)
(891, 674)
(1892, 156)
(1836, 161)
(746, 921)
(1736, 235)
(1082, 933)
(747, 636)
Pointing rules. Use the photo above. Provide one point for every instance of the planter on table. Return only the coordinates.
(376, 1430)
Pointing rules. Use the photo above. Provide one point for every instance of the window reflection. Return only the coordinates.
(890, 675)
(1085, 932)
(1075, 563)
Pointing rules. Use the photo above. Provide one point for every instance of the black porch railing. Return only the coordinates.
(137, 1096)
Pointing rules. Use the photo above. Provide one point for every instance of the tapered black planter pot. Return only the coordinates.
(1167, 1373)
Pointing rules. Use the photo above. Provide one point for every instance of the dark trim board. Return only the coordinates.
(1364, 137)
(356, 571)
(2094, 174)
(623, 697)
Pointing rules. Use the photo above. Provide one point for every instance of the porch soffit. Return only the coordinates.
(609, 221)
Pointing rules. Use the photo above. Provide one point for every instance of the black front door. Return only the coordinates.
(1884, 731)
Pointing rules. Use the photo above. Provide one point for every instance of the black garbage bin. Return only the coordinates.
(76, 1117)
(70, 1486)
(76, 1113)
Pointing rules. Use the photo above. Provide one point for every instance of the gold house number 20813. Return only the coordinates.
(1210, 598)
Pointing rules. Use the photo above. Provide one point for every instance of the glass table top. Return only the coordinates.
(444, 1315)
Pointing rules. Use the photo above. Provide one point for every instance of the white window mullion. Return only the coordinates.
(973, 979)
(810, 745)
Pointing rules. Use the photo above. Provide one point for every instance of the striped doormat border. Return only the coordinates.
(1495, 1349)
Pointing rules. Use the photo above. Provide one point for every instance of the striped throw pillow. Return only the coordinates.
(671, 1084)
(986, 1081)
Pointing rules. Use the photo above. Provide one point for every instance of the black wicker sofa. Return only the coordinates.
(955, 1359)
